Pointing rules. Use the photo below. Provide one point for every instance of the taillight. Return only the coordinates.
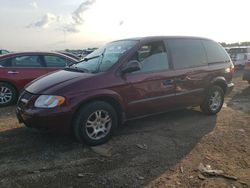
(230, 69)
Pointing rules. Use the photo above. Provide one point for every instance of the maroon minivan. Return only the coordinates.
(128, 79)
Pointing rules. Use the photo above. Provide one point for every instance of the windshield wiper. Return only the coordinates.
(75, 69)
(100, 61)
(86, 58)
(89, 58)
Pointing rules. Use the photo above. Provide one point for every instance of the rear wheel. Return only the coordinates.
(213, 101)
(95, 123)
(8, 94)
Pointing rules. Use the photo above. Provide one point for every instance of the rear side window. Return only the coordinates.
(54, 61)
(187, 53)
(27, 61)
(215, 53)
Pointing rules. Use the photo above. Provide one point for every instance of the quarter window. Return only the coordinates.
(5, 63)
(4, 52)
(54, 61)
(153, 57)
(187, 53)
(215, 53)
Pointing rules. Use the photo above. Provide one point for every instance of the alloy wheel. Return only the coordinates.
(5, 95)
(98, 125)
(215, 101)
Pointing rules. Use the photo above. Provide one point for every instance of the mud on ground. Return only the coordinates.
(160, 151)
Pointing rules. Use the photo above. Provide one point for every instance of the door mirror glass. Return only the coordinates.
(131, 66)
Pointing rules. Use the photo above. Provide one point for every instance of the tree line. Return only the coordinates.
(235, 44)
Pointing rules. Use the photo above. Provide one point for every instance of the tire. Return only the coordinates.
(27, 125)
(210, 106)
(95, 123)
(8, 94)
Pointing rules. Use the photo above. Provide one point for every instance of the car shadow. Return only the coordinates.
(141, 148)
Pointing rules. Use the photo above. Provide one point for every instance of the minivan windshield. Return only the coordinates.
(103, 58)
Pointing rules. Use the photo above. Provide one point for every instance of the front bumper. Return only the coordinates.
(45, 119)
(55, 119)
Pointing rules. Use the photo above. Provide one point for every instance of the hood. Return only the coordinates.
(54, 81)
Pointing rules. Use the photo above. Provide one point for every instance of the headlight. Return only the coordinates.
(49, 101)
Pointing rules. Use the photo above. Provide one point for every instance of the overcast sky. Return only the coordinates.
(61, 24)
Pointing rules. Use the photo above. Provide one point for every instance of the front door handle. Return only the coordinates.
(13, 72)
(168, 82)
(181, 79)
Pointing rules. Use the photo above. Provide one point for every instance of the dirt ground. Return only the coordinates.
(160, 151)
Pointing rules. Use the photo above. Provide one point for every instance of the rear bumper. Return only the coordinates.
(230, 87)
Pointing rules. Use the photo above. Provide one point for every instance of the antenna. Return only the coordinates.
(64, 38)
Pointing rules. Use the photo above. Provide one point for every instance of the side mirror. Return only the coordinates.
(131, 66)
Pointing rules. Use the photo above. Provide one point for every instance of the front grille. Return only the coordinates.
(24, 99)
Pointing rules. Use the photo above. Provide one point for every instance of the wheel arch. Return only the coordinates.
(113, 101)
(13, 85)
(221, 82)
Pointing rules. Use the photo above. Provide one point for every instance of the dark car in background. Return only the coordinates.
(3, 52)
(18, 69)
(128, 79)
(86, 52)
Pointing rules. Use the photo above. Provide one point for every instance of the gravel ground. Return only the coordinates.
(159, 151)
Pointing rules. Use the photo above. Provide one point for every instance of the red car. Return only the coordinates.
(128, 79)
(18, 69)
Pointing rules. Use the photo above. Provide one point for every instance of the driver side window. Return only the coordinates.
(153, 57)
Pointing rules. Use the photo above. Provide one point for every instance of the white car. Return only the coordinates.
(240, 55)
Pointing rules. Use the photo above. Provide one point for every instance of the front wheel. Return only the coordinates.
(95, 123)
(213, 101)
